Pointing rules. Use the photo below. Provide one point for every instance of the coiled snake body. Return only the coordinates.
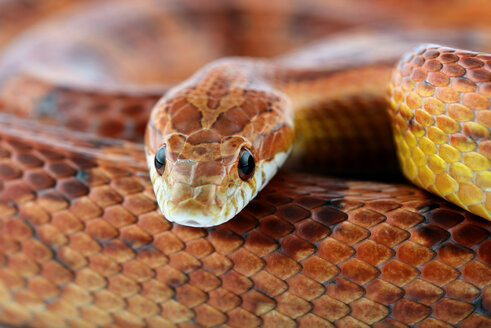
(82, 238)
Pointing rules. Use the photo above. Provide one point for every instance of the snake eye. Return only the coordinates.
(160, 160)
(246, 164)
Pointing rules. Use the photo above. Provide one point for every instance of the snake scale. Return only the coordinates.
(83, 242)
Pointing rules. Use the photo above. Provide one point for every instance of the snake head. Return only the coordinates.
(213, 142)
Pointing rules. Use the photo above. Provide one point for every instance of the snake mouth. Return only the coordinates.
(185, 218)
(201, 206)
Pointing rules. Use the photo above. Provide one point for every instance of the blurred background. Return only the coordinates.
(177, 37)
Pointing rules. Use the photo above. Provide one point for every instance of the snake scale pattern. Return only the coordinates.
(83, 242)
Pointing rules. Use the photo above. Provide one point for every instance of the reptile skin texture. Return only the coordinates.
(83, 243)
(440, 113)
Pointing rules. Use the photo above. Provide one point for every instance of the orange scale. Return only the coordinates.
(413, 100)
(434, 106)
(475, 101)
(407, 84)
(471, 62)
(448, 58)
(462, 142)
(479, 75)
(417, 129)
(459, 112)
(484, 117)
(424, 89)
(453, 70)
(475, 130)
(423, 117)
(485, 89)
(485, 148)
(447, 95)
(438, 79)
(447, 124)
(419, 74)
(431, 53)
(462, 84)
(432, 65)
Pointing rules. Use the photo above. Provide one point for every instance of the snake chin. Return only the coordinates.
(188, 219)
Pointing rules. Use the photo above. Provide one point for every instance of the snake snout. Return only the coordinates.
(195, 193)
(200, 206)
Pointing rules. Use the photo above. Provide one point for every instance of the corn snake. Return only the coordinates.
(92, 249)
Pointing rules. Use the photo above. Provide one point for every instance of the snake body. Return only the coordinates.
(84, 243)
(206, 123)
